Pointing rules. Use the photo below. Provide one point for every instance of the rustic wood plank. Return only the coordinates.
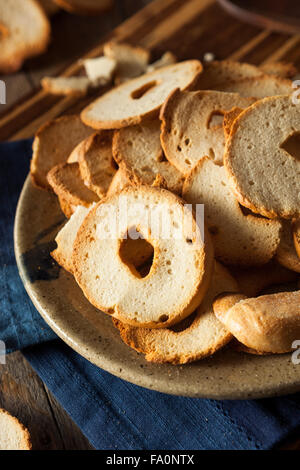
(25, 396)
(263, 51)
(129, 7)
(131, 29)
(22, 394)
(71, 435)
(72, 37)
(278, 15)
(254, 42)
(281, 51)
(195, 7)
(188, 28)
(17, 86)
(182, 31)
(172, 24)
(63, 104)
(210, 30)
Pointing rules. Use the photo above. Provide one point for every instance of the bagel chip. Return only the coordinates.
(197, 337)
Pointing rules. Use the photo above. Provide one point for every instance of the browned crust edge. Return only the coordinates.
(242, 198)
(16, 61)
(26, 441)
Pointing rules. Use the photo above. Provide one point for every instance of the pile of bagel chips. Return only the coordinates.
(167, 138)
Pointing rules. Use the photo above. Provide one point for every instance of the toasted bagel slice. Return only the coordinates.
(141, 98)
(18, 41)
(217, 72)
(124, 177)
(261, 157)
(138, 148)
(196, 337)
(66, 182)
(52, 145)
(121, 179)
(97, 167)
(182, 263)
(269, 323)
(238, 238)
(259, 87)
(280, 69)
(286, 253)
(192, 126)
(13, 435)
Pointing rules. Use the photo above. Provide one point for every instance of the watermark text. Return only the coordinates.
(2, 92)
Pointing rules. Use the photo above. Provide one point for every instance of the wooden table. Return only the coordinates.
(189, 28)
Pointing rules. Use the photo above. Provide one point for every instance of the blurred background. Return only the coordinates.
(72, 35)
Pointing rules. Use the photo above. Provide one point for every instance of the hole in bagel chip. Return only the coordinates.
(292, 145)
(163, 318)
(136, 252)
(140, 92)
(215, 120)
(184, 324)
(161, 157)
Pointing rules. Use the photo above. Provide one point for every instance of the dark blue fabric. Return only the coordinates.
(115, 414)
(20, 323)
(112, 413)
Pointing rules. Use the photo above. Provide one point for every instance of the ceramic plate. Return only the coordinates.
(226, 375)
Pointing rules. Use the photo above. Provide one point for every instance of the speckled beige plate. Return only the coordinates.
(59, 300)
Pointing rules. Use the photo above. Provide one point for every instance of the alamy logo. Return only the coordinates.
(2, 352)
(296, 93)
(2, 92)
(156, 221)
(296, 354)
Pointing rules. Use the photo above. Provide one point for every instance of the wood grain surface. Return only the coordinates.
(189, 28)
(24, 395)
(280, 15)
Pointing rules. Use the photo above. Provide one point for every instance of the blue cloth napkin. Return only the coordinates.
(112, 413)
(20, 323)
